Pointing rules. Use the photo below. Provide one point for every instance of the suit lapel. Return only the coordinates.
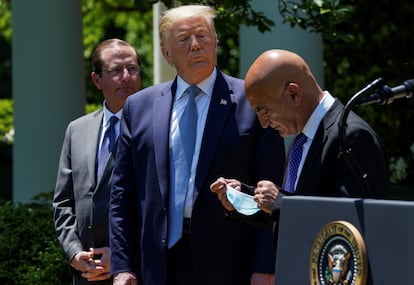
(108, 166)
(318, 142)
(219, 109)
(161, 126)
(91, 147)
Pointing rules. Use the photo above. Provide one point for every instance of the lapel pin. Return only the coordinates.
(223, 102)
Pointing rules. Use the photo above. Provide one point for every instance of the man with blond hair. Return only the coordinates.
(176, 139)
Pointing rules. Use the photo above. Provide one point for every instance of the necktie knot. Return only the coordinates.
(300, 139)
(295, 156)
(193, 90)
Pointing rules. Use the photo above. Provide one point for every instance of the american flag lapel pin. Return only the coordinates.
(223, 102)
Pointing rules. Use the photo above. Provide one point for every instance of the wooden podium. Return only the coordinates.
(313, 230)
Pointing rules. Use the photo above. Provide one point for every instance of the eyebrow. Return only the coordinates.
(257, 109)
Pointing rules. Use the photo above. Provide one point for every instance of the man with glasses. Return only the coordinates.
(81, 196)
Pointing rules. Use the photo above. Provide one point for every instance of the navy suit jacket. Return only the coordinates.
(233, 145)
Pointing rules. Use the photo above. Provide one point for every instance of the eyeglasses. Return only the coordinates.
(118, 71)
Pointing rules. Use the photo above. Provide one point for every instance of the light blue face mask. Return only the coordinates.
(242, 202)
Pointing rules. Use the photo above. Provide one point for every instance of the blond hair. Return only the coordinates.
(183, 12)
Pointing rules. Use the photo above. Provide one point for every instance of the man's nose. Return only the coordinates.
(194, 42)
(264, 121)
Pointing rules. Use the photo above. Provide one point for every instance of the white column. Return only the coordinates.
(48, 88)
(282, 36)
(162, 70)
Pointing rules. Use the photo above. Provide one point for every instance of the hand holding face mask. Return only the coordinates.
(242, 202)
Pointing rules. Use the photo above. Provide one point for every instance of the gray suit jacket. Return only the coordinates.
(80, 203)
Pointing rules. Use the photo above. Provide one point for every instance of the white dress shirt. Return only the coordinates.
(105, 122)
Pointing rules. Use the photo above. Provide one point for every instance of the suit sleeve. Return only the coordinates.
(122, 204)
(366, 158)
(270, 161)
(259, 219)
(64, 204)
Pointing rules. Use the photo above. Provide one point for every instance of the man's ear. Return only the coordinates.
(294, 92)
(96, 80)
(166, 54)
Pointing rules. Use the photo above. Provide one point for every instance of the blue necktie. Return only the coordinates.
(180, 166)
(107, 145)
(295, 156)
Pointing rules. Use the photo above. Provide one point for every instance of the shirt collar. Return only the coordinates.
(206, 85)
(108, 114)
(321, 109)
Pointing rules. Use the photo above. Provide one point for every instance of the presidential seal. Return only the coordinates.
(338, 256)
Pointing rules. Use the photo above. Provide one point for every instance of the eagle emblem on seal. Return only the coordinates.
(338, 258)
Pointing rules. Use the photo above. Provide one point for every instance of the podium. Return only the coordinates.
(385, 226)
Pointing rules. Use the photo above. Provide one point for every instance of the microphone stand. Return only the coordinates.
(384, 95)
(345, 151)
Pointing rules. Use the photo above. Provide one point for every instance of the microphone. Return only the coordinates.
(386, 95)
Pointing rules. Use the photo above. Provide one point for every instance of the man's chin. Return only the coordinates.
(125, 92)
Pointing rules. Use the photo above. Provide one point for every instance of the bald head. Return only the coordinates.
(280, 82)
(277, 67)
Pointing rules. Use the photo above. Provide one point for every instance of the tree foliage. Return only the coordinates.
(363, 40)
(318, 16)
(379, 46)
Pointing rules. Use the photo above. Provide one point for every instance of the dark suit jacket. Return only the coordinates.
(233, 145)
(80, 202)
(325, 173)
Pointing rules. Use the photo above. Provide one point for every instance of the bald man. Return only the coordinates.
(286, 97)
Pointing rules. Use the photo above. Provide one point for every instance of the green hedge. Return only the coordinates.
(29, 250)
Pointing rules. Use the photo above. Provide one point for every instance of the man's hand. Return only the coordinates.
(81, 261)
(100, 264)
(125, 278)
(93, 264)
(262, 279)
(265, 195)
(219, 187)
